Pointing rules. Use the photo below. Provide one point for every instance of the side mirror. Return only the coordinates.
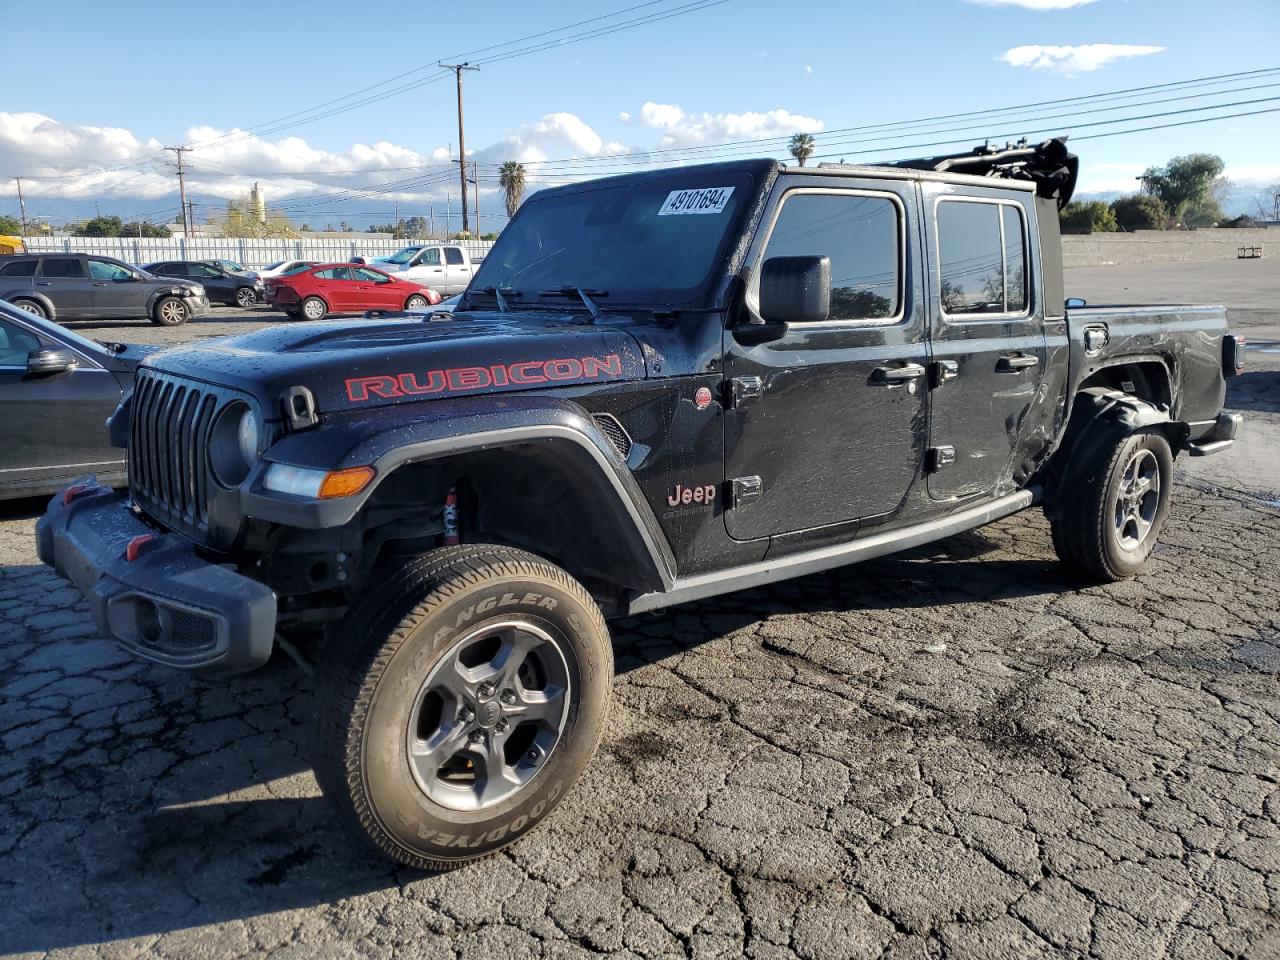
(795, 289)
(45, 362)
(1075, 303)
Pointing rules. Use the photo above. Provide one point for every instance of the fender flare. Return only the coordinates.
(395, 436)
(1099, 418)
(39, 298)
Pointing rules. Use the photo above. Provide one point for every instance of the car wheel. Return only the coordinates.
(313, 308)
(169, 312)
(460, 702)
(32, 307)
(416, 302)
(245, 297)
(1111, 528)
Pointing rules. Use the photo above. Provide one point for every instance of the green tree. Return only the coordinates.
(1190, 187)
(801, 147)
(100, 227)
(1141, 211)
(141, 228)
(10, 226)
(511, 180)
(1090, 216)
(240, 221)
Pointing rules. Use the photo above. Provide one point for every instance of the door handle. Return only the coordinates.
(100, 283)
(438, 270)
(44, 283)
(892, 375)
(1016, 362)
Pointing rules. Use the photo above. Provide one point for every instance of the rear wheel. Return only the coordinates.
(32, 307)
(313, 308)
(464, 699)
(245, 297)
(169, 312)
(1110, 529)
(416, 302)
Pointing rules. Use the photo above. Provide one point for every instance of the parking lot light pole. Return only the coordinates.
(458, 69)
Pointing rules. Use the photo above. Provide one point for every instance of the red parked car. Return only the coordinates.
(328, 288)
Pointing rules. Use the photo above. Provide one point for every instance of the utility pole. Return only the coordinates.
(475, 178)
(22, 206)
(182, 190)
(458, 69)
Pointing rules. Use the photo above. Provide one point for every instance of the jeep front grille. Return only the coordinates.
(169, 429)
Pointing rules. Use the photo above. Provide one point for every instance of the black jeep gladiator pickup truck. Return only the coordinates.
(657, 388)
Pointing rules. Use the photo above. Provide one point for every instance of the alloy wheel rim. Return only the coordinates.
(1137, 500)
(313, 310)
(31, 308)
(171, 311)
(489, 715)
(246, 298)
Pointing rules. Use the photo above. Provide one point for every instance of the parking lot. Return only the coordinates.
(953, 752)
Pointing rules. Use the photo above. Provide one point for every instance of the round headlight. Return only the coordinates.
(233, 444)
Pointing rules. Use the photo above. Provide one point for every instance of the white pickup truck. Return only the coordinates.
(444, 267)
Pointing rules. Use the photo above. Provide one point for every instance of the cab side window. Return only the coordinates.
(62, 267)
(453, 256)
(105, 270)
(19, 268)
(15, 344)
(429, 258)
(861, 235)
(982, 259)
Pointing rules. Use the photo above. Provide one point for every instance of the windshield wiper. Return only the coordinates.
(583, 295)
(503, 306)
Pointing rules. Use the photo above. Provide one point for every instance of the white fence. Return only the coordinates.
(251, 253)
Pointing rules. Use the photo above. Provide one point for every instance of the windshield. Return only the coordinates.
(404, 256)
(67, 336)
(639, 241)
(296, 268)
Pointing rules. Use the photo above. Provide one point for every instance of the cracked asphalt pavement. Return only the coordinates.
(955, 752)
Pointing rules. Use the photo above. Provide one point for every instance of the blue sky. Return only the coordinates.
(127, 78)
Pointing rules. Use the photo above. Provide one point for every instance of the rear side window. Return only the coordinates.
(334, 273)
(19, 268)
(453, 256)
(373, 276)
(62, 267)
(982, 258)
(861, 235)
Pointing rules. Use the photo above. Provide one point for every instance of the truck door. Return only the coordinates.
(428, 270)
(826, 425)
(457, 271)
(117, 292)
(987, 339)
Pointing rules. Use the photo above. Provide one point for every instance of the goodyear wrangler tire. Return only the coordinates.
(460, 702)
(1111, 527)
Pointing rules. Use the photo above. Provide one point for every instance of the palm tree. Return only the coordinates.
(511, 179)
(802, 147)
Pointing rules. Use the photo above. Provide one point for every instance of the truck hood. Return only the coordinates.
(359, 364)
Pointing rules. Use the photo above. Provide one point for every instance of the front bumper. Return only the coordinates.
(198, 306)
(168, 604)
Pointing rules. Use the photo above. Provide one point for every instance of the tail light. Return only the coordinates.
(1233, 350)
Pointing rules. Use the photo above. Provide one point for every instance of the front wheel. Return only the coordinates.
(416, 302)
(169, 312)
(245, 297)
(1109, 530)
(33, 308)
(460, 702)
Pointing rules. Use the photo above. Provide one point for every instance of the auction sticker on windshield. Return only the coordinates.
(704, 200)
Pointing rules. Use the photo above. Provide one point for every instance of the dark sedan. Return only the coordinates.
(56, 391)
(222, 285)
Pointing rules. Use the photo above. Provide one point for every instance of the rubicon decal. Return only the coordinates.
(467, 379)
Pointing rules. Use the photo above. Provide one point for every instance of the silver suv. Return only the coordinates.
(71, 286)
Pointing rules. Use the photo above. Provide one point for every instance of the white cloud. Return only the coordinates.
(1073, 59)
(624, 117)
(686, 130)
(1110, 178)
(808, 69)
(1034, 4)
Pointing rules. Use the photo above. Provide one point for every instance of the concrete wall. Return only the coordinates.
(1164, 246)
